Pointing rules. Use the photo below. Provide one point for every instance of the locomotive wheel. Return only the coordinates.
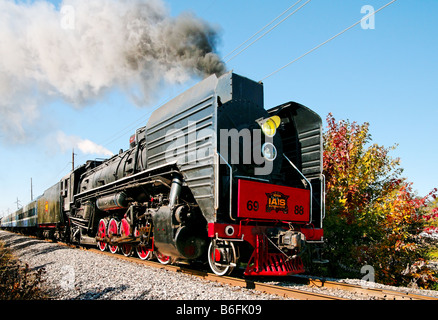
(101, 233)
(222, 259)
(163, 259)
(113, 227)
(142, 251)
(124, 231)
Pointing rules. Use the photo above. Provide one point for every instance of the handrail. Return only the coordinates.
(310, 185)
(323, 198)
(231, 186)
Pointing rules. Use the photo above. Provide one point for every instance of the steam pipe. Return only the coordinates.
(175, 190)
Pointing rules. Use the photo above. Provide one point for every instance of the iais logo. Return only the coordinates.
(277, 201)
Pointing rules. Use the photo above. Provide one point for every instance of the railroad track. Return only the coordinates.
(239, 282)
(367, 291)
(292, 293)
(277, 289)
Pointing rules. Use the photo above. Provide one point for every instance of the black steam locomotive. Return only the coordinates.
(212, 177)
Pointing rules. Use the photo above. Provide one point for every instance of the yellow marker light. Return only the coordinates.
(270, 125)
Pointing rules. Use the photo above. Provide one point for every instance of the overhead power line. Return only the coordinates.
(134, 124)
(327, 41)
(272, 28)
(272, 21)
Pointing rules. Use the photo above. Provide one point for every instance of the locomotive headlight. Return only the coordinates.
(269, 151)
(269, 126)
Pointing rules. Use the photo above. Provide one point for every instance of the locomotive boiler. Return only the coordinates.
(213, 177)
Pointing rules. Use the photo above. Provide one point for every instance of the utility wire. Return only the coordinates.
(284, 19)
(243, 43)
(325, 42)
(129, 127)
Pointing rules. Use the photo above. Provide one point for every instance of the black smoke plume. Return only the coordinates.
(84, 48)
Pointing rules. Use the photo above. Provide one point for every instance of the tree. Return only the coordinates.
(373, 217)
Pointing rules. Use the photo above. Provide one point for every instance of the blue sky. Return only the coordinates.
(387, 76)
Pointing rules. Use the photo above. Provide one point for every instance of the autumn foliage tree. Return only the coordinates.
(373, 216)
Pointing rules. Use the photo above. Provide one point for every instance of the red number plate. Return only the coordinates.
(259, 200)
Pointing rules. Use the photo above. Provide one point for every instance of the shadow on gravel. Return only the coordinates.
(42, 266)
(49, 250)
(19, 242)
(99, 294)
(6, 235)
(12, 239)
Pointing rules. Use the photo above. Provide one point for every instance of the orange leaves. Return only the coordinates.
(355, 173)
(372, 213)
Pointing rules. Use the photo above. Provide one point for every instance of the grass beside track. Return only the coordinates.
(17, 280)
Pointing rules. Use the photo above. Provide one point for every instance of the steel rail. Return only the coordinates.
(366, 289)
(238, 282)
(286, 292)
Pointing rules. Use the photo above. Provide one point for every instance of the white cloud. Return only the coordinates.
(86, 146)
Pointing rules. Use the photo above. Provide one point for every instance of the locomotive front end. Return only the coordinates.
(270, 183)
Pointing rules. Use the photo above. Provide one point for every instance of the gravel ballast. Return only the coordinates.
(79, 274)
(74, 274)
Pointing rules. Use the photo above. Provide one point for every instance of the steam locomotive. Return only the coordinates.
(212, 177)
